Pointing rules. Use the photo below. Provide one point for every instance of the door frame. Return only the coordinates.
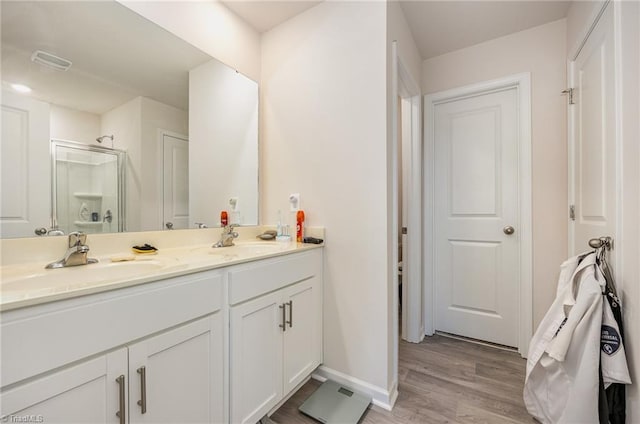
(412, 320)
(522, 83)
(160, 169)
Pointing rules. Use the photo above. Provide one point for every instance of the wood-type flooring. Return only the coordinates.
(442, 380)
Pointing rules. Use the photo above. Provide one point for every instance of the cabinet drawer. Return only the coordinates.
(252, 280)
(45, 337)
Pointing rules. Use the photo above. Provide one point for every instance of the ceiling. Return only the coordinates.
(117, 55)
(112, 67)
(438, 27)
(266, 14)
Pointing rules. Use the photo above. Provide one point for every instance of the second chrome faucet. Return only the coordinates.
(227, 236)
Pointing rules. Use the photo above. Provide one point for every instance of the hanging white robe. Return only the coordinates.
(564, 356)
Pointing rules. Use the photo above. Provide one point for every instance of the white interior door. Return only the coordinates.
(476, 261)
(176, 182)
(594, 148)
(25, 166)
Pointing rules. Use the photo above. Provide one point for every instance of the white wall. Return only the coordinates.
(398, 30)
(156, 116)
(541, 51)
(74, 125)
(135, 126)
(324, 135)
(223, 144)
(632, 290)
(209, 26)
(124, 122)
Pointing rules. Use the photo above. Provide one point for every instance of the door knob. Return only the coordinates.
(508, 230)
(169, 225)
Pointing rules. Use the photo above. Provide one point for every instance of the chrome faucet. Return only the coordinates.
(227, 236)
(76, 253)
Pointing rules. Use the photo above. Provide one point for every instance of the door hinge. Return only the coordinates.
(572, 212)
(569, 91)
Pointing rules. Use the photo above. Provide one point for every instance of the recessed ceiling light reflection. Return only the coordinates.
(21, 88)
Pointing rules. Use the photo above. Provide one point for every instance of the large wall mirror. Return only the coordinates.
(98, 74)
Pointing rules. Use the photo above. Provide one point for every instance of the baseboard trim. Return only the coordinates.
(382, 398)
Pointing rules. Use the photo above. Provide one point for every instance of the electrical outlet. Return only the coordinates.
(294, 202)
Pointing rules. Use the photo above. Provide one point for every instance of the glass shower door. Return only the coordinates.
(88, 188)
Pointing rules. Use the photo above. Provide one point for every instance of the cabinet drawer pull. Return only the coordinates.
(290, 322)
(284, 318)
(121, 412)
(143, 389)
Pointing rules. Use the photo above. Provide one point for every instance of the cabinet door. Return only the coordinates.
(181, 373)
(87, 392)
(303, 338)
(256, 357)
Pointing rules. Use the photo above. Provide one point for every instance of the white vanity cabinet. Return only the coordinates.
(223, 345)
(179, 370)
(275, 331)
(83, 393)
(175, 377)
(85, 360)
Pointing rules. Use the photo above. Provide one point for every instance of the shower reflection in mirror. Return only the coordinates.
(88, 184)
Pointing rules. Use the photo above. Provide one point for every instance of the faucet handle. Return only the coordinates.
(77, 238)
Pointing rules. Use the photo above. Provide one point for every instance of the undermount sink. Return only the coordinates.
(259, 247)
(29, 278)
(243, 248)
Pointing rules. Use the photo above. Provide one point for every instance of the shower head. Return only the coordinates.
(101, 139)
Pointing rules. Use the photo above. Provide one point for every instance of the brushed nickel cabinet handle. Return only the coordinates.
(143, 389)
(290, 322)
(284, 318)
(121, 412)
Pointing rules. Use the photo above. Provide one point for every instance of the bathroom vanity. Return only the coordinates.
(192, 334)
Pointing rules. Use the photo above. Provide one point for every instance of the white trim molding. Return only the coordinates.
(522, 83)
(385, 399)
(412, 320)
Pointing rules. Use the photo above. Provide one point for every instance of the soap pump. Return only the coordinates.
(279, 226)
